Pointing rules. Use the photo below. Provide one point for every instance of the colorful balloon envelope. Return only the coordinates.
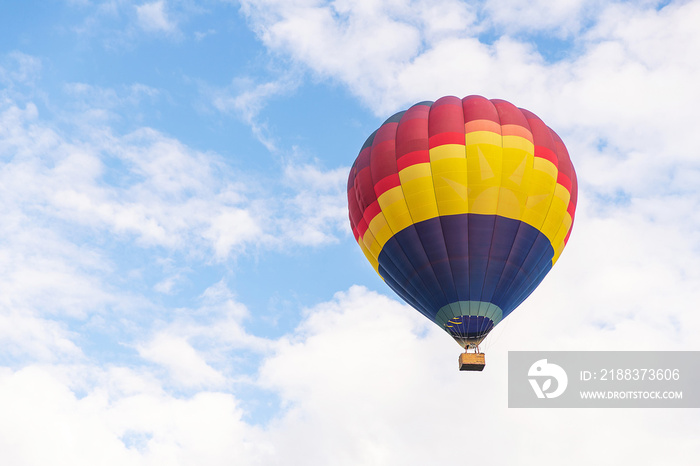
(462, 206)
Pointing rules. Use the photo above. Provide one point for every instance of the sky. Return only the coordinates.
(178, 280)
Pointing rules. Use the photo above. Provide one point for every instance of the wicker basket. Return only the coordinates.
(472, 362)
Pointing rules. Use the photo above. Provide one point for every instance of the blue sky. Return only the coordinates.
(178, 281)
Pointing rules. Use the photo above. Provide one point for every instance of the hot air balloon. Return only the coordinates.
(462, 206)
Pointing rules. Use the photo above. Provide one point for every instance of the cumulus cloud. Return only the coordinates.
(410, 65)
(361, 379)
(364, 379)
(360, 44)
(108, 426)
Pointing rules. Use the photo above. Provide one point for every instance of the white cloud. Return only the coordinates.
(41, 270)
(185, 366)
(76, 207)
(217, 325)
(332, 41)
(169, 284)
(118, 25)
(363, 379)
(230, 229)
(46, 411)
(163, 192)
(24, 336)
(358, 43)
(109, 427)
(154, 17)
(44, 274)
(70, 210)
(19, 68)
(200, 35)
(317, 214)
(92, 99)
(563, 17)
(194, 346)
(247, 99)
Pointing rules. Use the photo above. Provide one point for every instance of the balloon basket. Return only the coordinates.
(472, 361)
